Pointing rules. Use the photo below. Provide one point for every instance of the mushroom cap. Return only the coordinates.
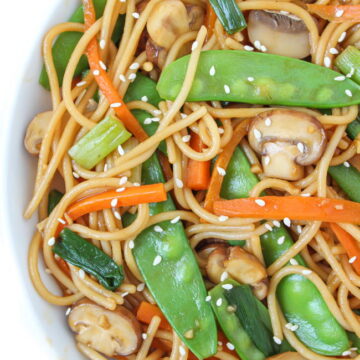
(292, 127)
(110, 332)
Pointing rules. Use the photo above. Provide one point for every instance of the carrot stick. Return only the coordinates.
(147, 311)
(292, 207)
(222, 161)
(103, 79)
(63, 266)
(198, 172)
(350, 245)
(210, 20)
(336, 13)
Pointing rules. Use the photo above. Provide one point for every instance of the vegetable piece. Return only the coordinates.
(166, 261)
(109, 332)
(336, 13)
(99, 142)
(105, 84)
(229, 14)
(350, 245)
(147, 311)
(348, 178)
(353, 129)
(289, 355)
(53, 199)
(198, 172)
(81, 253)
(301, 302)
(278, 80)
(281, 34)
(349, 62)
(293, 207)
(288, 140)
(210, 20)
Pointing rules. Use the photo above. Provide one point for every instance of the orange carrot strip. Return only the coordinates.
(103, 79)
(293, 207)
(350, 245)
(222, 161)
(210, 19)
(198, 172)
(147, 311)
(63, 266)
(336, 13)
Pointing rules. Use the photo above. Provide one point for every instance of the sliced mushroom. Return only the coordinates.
(167, 21)
(36, 132)
(287, 356)
(288, 140)
(281, 34)
(110, 332)
(155, 53)
(196, 16)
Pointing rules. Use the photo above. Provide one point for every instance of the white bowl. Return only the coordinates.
(33, 328)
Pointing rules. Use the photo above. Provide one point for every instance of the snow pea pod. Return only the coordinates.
(258, 78)
(300, 300)
(171, 273)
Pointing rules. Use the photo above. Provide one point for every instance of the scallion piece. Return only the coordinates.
(229, 14)
(99, 142)
(349, 63)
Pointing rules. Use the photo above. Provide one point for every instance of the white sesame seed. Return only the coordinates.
(123, 180)
(339, 12)
(131, 244)
(287, 222)
(346, 164)
(144, 336)
(354, 349)
(102, 44)
(305, 195)
(277, 340)
(300, 147)
(135, 15)
(230, 346)
(227, 89)
(289, 325)
(219, 302)
(140, 287)
(115, 105)
(51, 241)
(346, 353)
(117, 215)
(257, 134)
(179, 183)
(248, 48)
(121, 189)
(281, 240)
(158, 229)
(333, 51)
(299, 229)
(96, 72)
(306, 272)
(263, 48)
(182, 351)
(266, 160)
(132, 76)
(148, 121)
(283, 12)
(61, 221)
(348, 93)
(186, 138)
(276, 223)
(68, 311)
(352, 259)
(76, 175)
(260, 202)
(136, 184)
(223, 218)
(102, 65)
(175, 220)
(293, 262)
(121, 150)
(194, 45)
(106, 167)
(351, 73)
(123, 1)
(122, 77)
(157, 112)
(81, 274)
(212, 71)
(183, 116)
(227, 286)
(134, 66)
(126, 293)
(339, 207)
(157, 260)
(221, 130)
(114, 202)
(250, 78)
(294, 327)
(327, 61)
(155, 119)
(342, 37)
(144, 98)
(268, 122)
(340, 78)
(208, 298)
(224, 276)
(268, 226)
(81, 83)
(57, 257)
(220, 343)
(221, 171)
(257, 44)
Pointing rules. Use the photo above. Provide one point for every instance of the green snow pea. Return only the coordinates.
(353, 129)
(171, 273)
(299, 299)
(277, 80)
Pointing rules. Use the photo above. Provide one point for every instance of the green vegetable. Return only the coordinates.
(229, 14)
(81, 253)
(53, 199)
(301, 302)
(348, 178)
(278, 80)
(349, 62)
(99, 142)
(66, 42)
(353, 129)
(237, 242)
(355, 341)
(175, 282)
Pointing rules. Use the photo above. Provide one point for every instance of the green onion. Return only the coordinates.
(349, 63)
(99, 142)
(229, 14)
(53, 199)
(81, 253)
(353, 129)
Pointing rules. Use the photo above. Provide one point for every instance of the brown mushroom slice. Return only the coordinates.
(36, 131)
(196, 16)
(109, 332)
(287, 141)
(281, 34)
(155, 53)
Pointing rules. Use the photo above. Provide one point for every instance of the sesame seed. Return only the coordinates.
(250, 78)
(219, 302)
(293, 262)
(299, 229)
(102, 44)
(276, 223)
(183, 116)
(157, 260)
(132, 76)
(307, 272)
(121, 189)
(122, 1)
(281, 240)
(300, 147)
(230, 346)
(268, 122)
(102, 65)
(227, 286)
(123, 180)
(346, 353)
(81, 83)
(140, 287)
(283, 12)
(208, 298)
(61, 221)
(263, 48)
(115, 105)
(333, 51)
(260, 202)
(354, 349)
(57, 257)
(136, 184)
(121, 150)
(175, 220)
(220, 343)
(257, 134)
(342, 37)
(135, 15)
(257, 44)
(346, 164)
(144, 98)
(122, 77)
(158, 229)
(227, 89)
(194, 45)
(224, 276)
(148, 121)
(75, 175)
(339, 12)
(221, 171)
(305, 194)
(266, 160)
(248, 48)
(106, 167)
(157, 112)
(68, 311)
(131, 244)
(126, 293)
(117, 215)
(144, 336)
(327, 61)
(96, 72)
(134, 66)
(212, 71)
(277, 340)
(340, 78)
(351, 73)
(348, 92)
(182, 351)
(81, 274)
(155, 119)
(51, 241)
(179, 183)
(339, 207)
(223, 218)
(287, 222)
(221, 130)
(186, 138)
(114, 202)
(352, 259)
(268, 226)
